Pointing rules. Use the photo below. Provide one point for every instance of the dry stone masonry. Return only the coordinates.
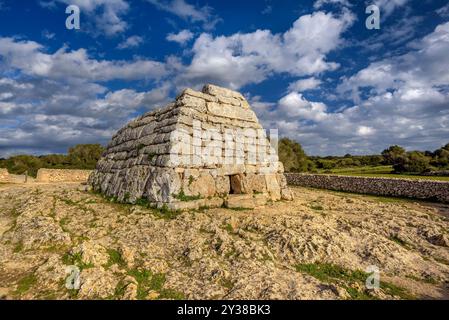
(62, 175)
(407, 188)
(4, 175)
(205, 149)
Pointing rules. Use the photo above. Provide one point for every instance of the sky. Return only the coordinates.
(310, 68)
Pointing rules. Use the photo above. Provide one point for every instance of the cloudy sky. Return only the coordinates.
(309, 68)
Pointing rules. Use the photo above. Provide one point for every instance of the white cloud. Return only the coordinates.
(131, 42)
(29, 58)
(304, 84)
(188, 12)
(388, 6)
(444, 11)
(295, 105)
(181, 37)
(319, 3)
(56, 100)
(105, 15)
(244, 58)
(399, 100)
(48, 35)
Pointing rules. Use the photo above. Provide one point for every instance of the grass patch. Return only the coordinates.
(181, 196)
(428, 280)
(148, 281)
(115, 258)
(71, 259)
(239, 209)
(26, 283)
(330, 273)
(18, 248)
(317, 207)
(401, 242)
(378, 172)
(228, 227)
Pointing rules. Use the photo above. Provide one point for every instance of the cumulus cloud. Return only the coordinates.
(30, 58)
(305, 84)
(319, 3)
(131, 42)
(245, 58)
(59, 99)
(181, 37)
(106, 16)
(398, 100)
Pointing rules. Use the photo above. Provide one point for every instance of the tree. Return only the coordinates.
(441, 157)
(413, 162)
(393, 155)
(85, 156)
(293, 156)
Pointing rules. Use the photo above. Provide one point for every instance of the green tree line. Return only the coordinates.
(82, 156)
(295, 159)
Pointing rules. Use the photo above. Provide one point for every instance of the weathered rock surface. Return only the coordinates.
(133, 252)
(205, 144)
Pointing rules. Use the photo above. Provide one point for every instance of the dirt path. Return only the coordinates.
(316, 247)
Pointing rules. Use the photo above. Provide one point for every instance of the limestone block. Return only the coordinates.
(273, 188)
(222, 185)
(255, 183)
(202, 184)
(230, 111)
(219, 91)
(198, 104)
(162, 184)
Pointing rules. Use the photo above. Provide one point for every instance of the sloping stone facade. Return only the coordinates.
(205, 145)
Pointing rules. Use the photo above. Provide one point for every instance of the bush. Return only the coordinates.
(393, 155)
(412, 162)
(293, 156)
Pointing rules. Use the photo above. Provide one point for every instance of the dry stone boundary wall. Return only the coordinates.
(407, 188)
(62, 175)
(4, 175)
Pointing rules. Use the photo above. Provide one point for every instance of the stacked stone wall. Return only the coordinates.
(4, 175)
(192, 147)
(62, 175)
(408, 188)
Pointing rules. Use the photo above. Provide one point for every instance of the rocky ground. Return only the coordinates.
(316, 247)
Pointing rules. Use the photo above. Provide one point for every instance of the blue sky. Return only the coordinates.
(309, 68)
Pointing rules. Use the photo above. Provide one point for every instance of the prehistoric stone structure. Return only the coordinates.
(205, 149)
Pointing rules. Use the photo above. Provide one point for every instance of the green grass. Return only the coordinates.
(330, 273)
(148, 281)
(26, 283)
(181, 196)
(18, 248)
(228, 227)
(115, 258)
(401, 242)
(378, 172)
(75, 259)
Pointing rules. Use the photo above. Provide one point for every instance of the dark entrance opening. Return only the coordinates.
(235, 184)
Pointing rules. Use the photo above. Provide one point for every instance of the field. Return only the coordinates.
(378, 171)
(317, 247)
